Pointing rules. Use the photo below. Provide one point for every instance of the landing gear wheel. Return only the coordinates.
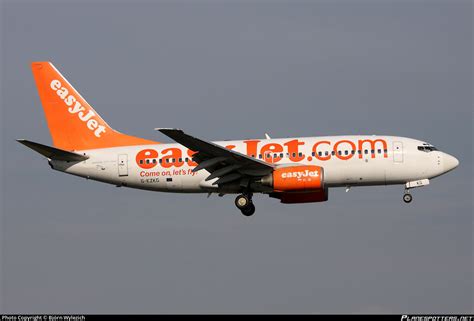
(242, 201)
(249, 210)
(407, 198)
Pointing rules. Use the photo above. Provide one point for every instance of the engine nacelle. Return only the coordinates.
(296, 179)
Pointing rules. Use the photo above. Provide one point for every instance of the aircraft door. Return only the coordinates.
(122, 164)
(397, 152)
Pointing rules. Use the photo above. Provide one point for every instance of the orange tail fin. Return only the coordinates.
(72, 122)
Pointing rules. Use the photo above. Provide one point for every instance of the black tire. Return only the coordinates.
(242, 202)
(407, 198)
(249, 210)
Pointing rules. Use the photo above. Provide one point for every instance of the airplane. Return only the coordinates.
(292, 170)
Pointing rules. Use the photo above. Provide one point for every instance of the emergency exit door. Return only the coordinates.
(122, 165)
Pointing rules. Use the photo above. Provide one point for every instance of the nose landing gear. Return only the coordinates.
(244, 204)
(407, 198)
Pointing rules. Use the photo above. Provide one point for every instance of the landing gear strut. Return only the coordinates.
(407, 198)
(244, 204)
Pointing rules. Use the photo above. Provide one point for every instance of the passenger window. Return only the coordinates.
(372, 151)
(180, 159)
(141, 161)
(326, 153)
(148, 161)
(154, 161)
(385, 151)
(260, 156)
(359, 152)
(320, 153)
(366, 151)
(353, 152)
(339, 152)
(294, 154)
(379, 151)
(333, 153)
(281, 155)
(346, 152)
(300, 154)
(160, 161)
(186, 159)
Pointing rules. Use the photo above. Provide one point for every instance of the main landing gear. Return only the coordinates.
(244, 204)
(407, 198)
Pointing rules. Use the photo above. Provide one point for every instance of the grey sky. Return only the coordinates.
(234, 70)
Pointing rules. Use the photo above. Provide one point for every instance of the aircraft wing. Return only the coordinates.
(225, 164)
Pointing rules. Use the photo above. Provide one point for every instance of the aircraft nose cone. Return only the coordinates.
(449, 162)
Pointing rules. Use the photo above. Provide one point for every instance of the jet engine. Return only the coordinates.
(297, 184)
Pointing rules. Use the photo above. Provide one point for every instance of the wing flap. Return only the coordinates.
(223, 171)
(227, 178)
(208, 163)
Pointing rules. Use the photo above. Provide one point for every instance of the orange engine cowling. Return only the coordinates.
(296, 179)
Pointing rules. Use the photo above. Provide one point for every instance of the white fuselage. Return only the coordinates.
(347, 161)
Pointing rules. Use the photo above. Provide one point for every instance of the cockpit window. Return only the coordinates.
(427, 148)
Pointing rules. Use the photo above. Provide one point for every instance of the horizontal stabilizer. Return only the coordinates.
(53, 153)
